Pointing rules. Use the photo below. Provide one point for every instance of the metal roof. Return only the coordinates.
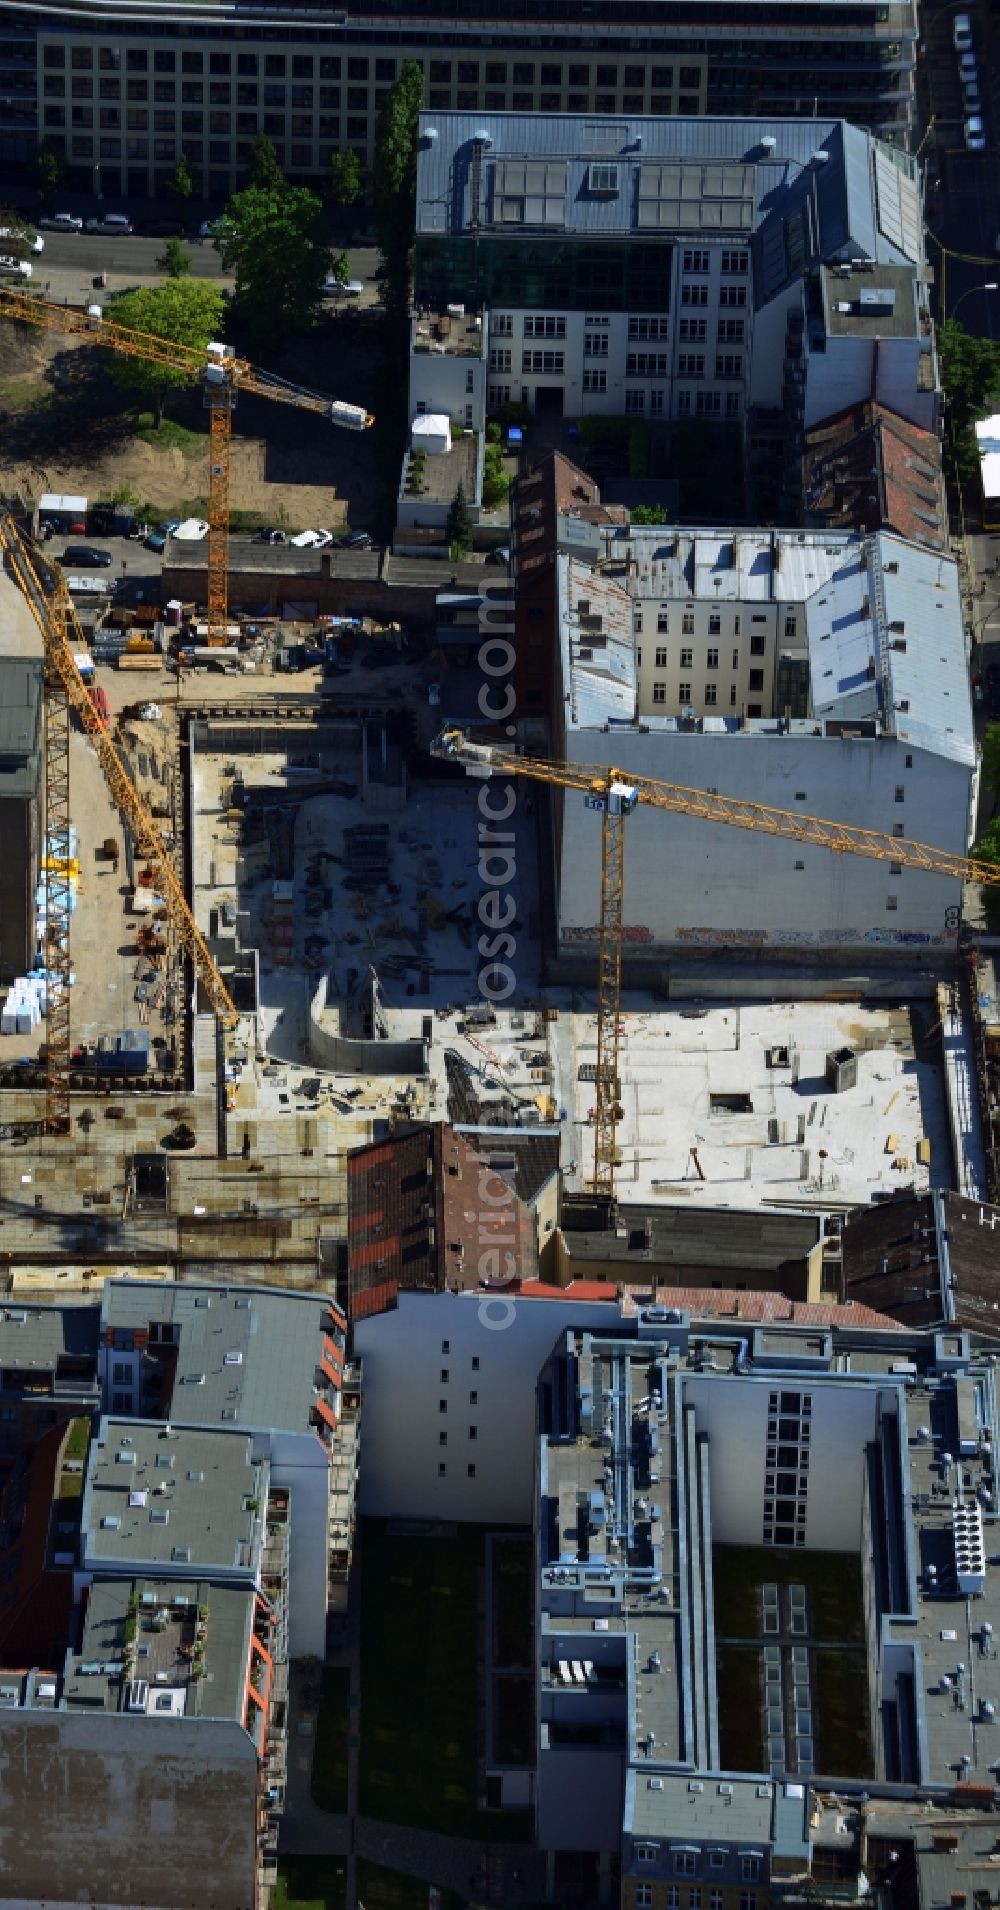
(814, 187)
(20, 725)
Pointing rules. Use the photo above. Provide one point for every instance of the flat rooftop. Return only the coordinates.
(244, 1357)
(729, 1106)
(45, 1339)
(161, 1495)
(729, 566)
(162, 1618)
(443, 472)
(447, 335)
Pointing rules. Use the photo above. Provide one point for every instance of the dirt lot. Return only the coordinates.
(63, 428)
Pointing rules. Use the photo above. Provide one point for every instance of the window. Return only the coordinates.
(473, 1432)
(646, 1853)
(470, 1472)
(696, 261)
(687, 658)
(735, 261)
(544, 361)
(473, 1399)
(545, 325)
(900, 795)
(634, 401)
(892, 903)
(500, 359)
(638, 657)
(192, 62)
(122, 1373)
(758, 646)
(596, 318)
(694, 1897)
(136, 60)
(649, 364)
(663, 623)
(642, 329)
(708, 404)
(442, 1405)
(909, 762)
(661, 658)
(748, 1900)
(595, 345)
(54, 88)
(715, 1898)
(659, 692)
(643, 1896)
(691, 365)
(895, 868)
(693, 330)
(729, 365)
(684, 692)
(164, 91)
(663, 76)
(673, 1897)
(475, 1362)
(502, 325)
(444, 1375)
(442, 1470)
(731, 331)
(695, 294)
(123, 1401)
(54, 56)
(442, 1439)
(109, 59)
(637, 623)
(595, 381)
(684, 1863)
(81, 58)
(683, 404)
(711, 693)
(733, 295)
(755, 680)
(687, 625)
(712, 660)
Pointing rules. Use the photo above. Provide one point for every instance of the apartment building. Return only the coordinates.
(762, 1579)
(672, 269)
(795, 668)
(120, 98)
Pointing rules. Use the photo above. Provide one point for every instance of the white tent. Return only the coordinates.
(431, 432)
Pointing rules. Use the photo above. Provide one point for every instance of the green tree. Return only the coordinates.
(275, 244)
(394, 180)
(18, 235)
(648, 514)
(48, 170)
(174, 261)
(185, 311)
(458, 528)
(340, 268)
(184, 182)
(345, 181)
(991, 760)
(970, 378)
(987, 849)
(265, 167)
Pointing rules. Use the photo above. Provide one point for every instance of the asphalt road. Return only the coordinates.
(72, 260)
(963, 188)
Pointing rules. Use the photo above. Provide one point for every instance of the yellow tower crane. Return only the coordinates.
(225, 375)
(616, 794)
(49, 601)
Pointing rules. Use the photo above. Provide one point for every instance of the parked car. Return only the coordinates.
(975, 136)
(312, 540)
(500, 556)
(11, 268)
(967, 69)
(971, 96)
(961, 33)
(342, 288)
(61, 222)
(162, 228)
(270, 534)
(86, 557)
(210, 228)
(358, 540)
(157, 540)
(24, 236)
(114, 225)
(433, 695)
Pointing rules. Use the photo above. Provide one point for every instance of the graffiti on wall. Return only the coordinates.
(633, 932)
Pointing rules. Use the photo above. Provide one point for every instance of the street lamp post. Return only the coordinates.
(989, 285)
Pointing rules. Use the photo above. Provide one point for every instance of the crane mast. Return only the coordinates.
(51, 606)
(616, 795)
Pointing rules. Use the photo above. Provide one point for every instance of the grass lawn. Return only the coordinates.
(380, 1889)
(841, 1687)
(741, 1737)
(512, 1604)
(171, 436)
(329, 1771)
(832, 1579)
(420, 1683)
(77, 1439)
(514, 1720)
(309, 1883)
